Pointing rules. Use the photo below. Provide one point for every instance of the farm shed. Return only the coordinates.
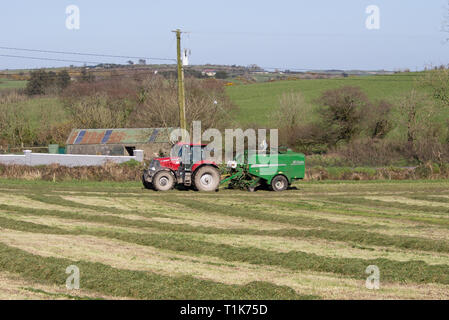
(119, 142)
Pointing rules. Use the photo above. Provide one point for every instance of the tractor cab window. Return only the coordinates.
(197, 154)
(190, 154)
(176, 151)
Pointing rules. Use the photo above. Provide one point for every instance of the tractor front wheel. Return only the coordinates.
(146, 184)
(279, 183)
(164, 181)
(207, 179)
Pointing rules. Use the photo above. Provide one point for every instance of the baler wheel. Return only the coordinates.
(207, 179)
(279, 183)
(164, 181)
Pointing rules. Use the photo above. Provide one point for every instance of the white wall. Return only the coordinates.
(66, 160)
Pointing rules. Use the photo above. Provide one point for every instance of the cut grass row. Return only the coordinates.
(320, 188)
(356, 207)
(394, 271)
(347, 235)
(126, 283)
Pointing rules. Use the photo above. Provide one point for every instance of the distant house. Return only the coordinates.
(120, 142)
(209, 72)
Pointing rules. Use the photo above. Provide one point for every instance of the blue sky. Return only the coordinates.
(320, 34)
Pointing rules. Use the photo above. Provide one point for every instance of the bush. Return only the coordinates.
(87, 76)
(15, 121)
(294, 118)
(376, 119)
(327, 160)
(132, 164)
(340, 118)
(438, 82)
(342, 111)
(101, 104)
(426, 134)
(63, 80)
(98, 111)
(206, 101)
(221, 75)
(40, 82)
(372, 152)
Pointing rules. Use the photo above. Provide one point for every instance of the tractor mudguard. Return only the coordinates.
(202, 163)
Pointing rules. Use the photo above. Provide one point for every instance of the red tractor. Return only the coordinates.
(189, 168)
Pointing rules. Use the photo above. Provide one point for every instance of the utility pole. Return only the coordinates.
(181, 90)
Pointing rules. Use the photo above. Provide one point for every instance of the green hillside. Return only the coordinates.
(257, 101)
(12, 84)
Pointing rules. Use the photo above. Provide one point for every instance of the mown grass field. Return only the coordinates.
(258, 101)
(314, 242)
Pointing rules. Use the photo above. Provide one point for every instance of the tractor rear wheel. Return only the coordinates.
(207, 179)
(164, 181)
(279, 183)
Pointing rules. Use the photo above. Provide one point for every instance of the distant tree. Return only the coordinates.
(51, 79)
(83, 75)
(418, 115)
(437, 81)
(221, 75)
(87, 76)
(63, 80)
(377, 119)
(342, 111)
(130, 62)
(37, 83)
(142, 62)
(294, 118)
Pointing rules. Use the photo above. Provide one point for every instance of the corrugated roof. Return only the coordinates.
(119, 136)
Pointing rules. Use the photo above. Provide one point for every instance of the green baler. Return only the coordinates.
(276, 170)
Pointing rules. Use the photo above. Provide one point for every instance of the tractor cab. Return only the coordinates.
(190, 153)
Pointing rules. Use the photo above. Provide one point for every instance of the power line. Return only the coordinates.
(61, 60)
(129, 57)
(112, 68)
(123, 71)
(47, 59)
(86, 54)
(311, 35)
